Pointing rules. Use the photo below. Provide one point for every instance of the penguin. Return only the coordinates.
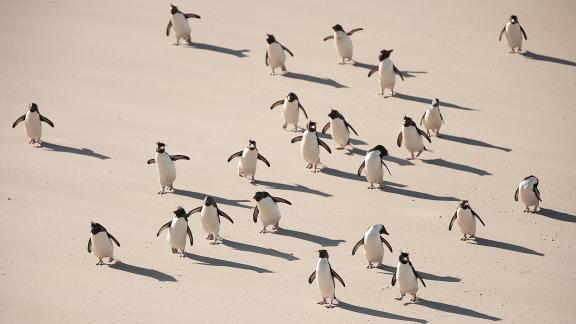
(373, 247)
(165, 167)
(343, 42)
(310, 147)
(412, 136)
(325, 275)
(180, 23)
(100, 243)
(340, 129)
(466, 221)
(432, 118)
(32, 124)
(210, 218)
(268, 210)
(386, 72)
(290, 113)
(247, 163)
(275, 57)
(407, 278)
(513, 32)
(529, 193)
(177, 230)
(373, 161)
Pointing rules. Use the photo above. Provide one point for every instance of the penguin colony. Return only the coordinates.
(406, 278)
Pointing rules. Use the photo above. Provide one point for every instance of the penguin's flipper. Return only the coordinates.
(373, 70)
(394, 280)
(110, 236)
(89, 245)
(20, 119)
(151, 161)
(386, 243)
(312, 277)
(47, 121)
(287, 50)
(263, 159)
(178, 157)
(325, 128)
(168, 27)
(399, 139)
(537, 192)
(190, 235)
(354, 30)
(255, 214)
(277, 103)
(296, 139)
(421, 132)
(452, 221)
(282, 200)
(324, 145)
(422, 119)
(165, 226)
(304, 111)
(416, 273)
(195, 210)
(350, 127)
(523, 32)
(474, 213)
(328, 37)
(337, 276)
(235, 155)
(223, 214)
(516, 194)
(384, 164)
(398, 72)
(191, 15)
(266, 60)
(361, 242)
(361, 167)
(502, 33)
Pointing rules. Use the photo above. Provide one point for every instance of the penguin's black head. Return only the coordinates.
(408, 122)
(311, 126)
(180, 212)
(270, 39)
(292, 96)
(323, 254)
(335, 114)
(251, 145)
(382, 149)
(33, 107)
(513, 19)
(209, 201)
(383, 230)
(160, 147)
(464, 204)
(337, 27)
(436, 102)
(384, 54)
(96, 228)
(261, 195)
(404, 258)
(174, 9)
(531, 176)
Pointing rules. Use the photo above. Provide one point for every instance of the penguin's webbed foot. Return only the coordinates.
(330, 306)
(399, 298)
(414, 299)
(371, 186)
(370, 266)
(322, 302)
(340, 147)
(463, 238)
(210, 237)
(380, 266)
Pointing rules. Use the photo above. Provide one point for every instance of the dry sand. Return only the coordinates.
(110, 80)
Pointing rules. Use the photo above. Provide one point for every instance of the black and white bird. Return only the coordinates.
(32, 124)
(165, 167)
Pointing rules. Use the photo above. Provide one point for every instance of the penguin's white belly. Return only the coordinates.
(310, 148)
(513, 35)
(290, 112)
(344, 45)
(432, 120)
(528, 196)
(247, 163)
(373, 248)
(374, 170)
(340, 132)
(324, 279)
(32, 126)
(166, 169)
(466, 221)
(181, 25)
(210, 221)
(269, 211)
(412, 139)
(407, 282)
(386, 74)
(102, 245)
(177, 233)
(276, 55)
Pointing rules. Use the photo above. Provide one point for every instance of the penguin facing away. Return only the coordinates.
(179, 21)
(387, 72)
(343, 42)
(373, 162)
(407, 278)
(412, 137)
(100, 243)
(432, 118)
(528, 191)
(466, 221)
(267, 208)
(310, 147)
(177, 230)
(210, 218)
(340, 129)
(373, 245)
(513, 32)
(275, 57)
(326, 283)
(290, 112)
(32, 124)
(247, 163)
(165, 167)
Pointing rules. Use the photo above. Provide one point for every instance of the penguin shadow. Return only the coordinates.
(470, 141)
(67, 149)
(557, 215)
(146, 272)
(219, 200)
(291, 187)
(503, 245)
(457, 166)
(397, 160)
(459, 310)
(353, 141)
(205, 260)
(545, 58)
(259, 250)
(219, 49)
(314, 79)
(406, 74)
(320, 240)
(429, 101)
(377, 313)
(426, 276)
